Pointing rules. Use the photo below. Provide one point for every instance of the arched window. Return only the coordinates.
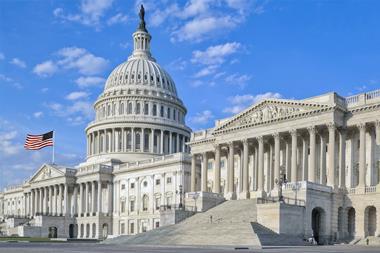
(108, 146)
(146, 141)
(174, 114)
(129, 108)
(146, 108)
(154, 110)
(145, 202)
(162, 111)
(138, 108)
(129, 140)
(119, 139)
(137, 140)
(121, 109)
(101, 143)
(168, 113)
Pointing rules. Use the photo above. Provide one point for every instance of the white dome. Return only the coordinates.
(143, 73)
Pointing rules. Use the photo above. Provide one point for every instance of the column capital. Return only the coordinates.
(361, 126)
(245, 142)
(293, 132)
(331, 126)
(216, 146)
(276, 135)
(312, 129)
(260, 139)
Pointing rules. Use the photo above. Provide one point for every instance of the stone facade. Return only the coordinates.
(325, 150)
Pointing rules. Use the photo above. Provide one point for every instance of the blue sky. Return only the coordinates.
(223, 55)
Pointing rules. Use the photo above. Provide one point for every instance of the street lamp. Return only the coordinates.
(280, 182)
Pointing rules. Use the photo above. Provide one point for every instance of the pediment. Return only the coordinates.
(270, 110)
(46, 171)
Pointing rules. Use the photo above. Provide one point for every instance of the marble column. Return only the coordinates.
(294, 173)
(99, 197)
(61, 196)
(276, 137)
(204, 172)
(50, 200)
(217, 169)
(230, 171)
(377, 129)
(170, 142)
(133, 140)
(152, 141)
(109, 188)
(312, 161)
(193, 173)
(80, 199)
(86, 197)
(32, 202)
(93, 202)
(75, 201)
(66, 200)
(288, 154)
(40, 209)
(177, 149)
(162, 142)
(342, 158)
(323, 178)
(305, 159)
(55, 200)
(331, 150)
(245, 189)
(362, 154)
(260, 187)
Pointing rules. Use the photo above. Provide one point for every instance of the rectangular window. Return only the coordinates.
(169, 180)
(122, 206)
(132, 185)
(168, 201)
(158, 203)
(123, 186)
(158, 181)
(146, 108)
(157, 224)
(132, 228)
(122, 228)
(132, 206)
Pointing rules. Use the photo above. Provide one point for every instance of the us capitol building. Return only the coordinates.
(312, 166)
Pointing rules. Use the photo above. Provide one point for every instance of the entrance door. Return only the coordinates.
(316, 224)
(52, 232)
(71, 231)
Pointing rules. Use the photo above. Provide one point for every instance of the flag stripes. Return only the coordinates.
(36, 142)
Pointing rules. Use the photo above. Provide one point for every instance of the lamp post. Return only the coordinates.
(180, 196)
(280, 182)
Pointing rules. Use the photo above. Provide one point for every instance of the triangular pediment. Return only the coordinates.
(270, 110)
(46, 171)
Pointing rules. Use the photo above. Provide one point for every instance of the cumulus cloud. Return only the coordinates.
(206, 71)
(38, 115)
(119, 18)
(202, 118)
(77, 95)
(90, 13)
(8, 143)
(10, 81)
(75, 58)
(240, 102)
(238, 80)
(89, 81)
(17, 62)
(215, 54)
(45, 69)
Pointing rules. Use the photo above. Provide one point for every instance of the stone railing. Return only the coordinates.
(362, 99)
(364, 190)
(201, 135)
(158, 159)
(95, 168)
(302, 185)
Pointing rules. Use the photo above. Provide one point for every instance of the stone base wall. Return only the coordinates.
(202, 201)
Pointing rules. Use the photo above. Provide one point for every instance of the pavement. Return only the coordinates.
(34, 247)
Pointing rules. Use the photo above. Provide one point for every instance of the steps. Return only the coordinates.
(372, 241)
(232, 223)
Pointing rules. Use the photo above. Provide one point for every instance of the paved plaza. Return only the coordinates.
(14, 247)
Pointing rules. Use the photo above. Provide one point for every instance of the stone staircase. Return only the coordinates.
(232, 223)
(372, 241)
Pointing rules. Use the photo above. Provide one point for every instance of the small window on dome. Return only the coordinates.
(133, 76)
(126, 77)
(151, 78)
(139, 76)
(121, 77)
(145, 77)
(158, 79)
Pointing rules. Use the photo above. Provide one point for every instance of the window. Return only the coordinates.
(113, 109)
(123, 186)
(168, 201)
(122, 207)
(145, 202)
(154, 110)
(121, 108)
(146, 141)
(137, 140)
(107, 143)
(132, 228)
(129, 108)
(108, 110)
(169, 180)
(145, 183)
(168, 113)
(138, 108)
(122, 228)
(162, 111)
(158, 181)
(146, 108)
(157, 203)
(129, 140)
(132, 206)
(157, 224)
(132, 185)
(174, 114)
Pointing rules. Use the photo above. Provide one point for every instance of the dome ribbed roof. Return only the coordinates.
(142, 73)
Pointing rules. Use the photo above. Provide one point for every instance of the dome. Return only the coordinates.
(140, 72)
(139, 114)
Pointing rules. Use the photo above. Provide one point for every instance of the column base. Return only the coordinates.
(244, 195)
(258, 194)
(230, 195)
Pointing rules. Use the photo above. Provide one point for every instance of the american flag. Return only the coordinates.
(36, 142)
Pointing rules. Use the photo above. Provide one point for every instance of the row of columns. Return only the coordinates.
(91, 198)
(291, 159)
(133, 140)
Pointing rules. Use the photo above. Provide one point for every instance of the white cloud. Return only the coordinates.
(160, 15)
(75, 58)
(10, 81)
(8, 145)
(201, 28)
(90, 12)
(202, 117)
(17, 62)
(38, 115)
(240, 102)
(239, 80)
(2, 56)
(77, 95)
(45, 69)
(119, 18)
(5, 78)
(206, 71)
(215, 54)
(89, 81)
(79, 112)
(81, 60)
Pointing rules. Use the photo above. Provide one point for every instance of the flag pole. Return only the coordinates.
(53, 147)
